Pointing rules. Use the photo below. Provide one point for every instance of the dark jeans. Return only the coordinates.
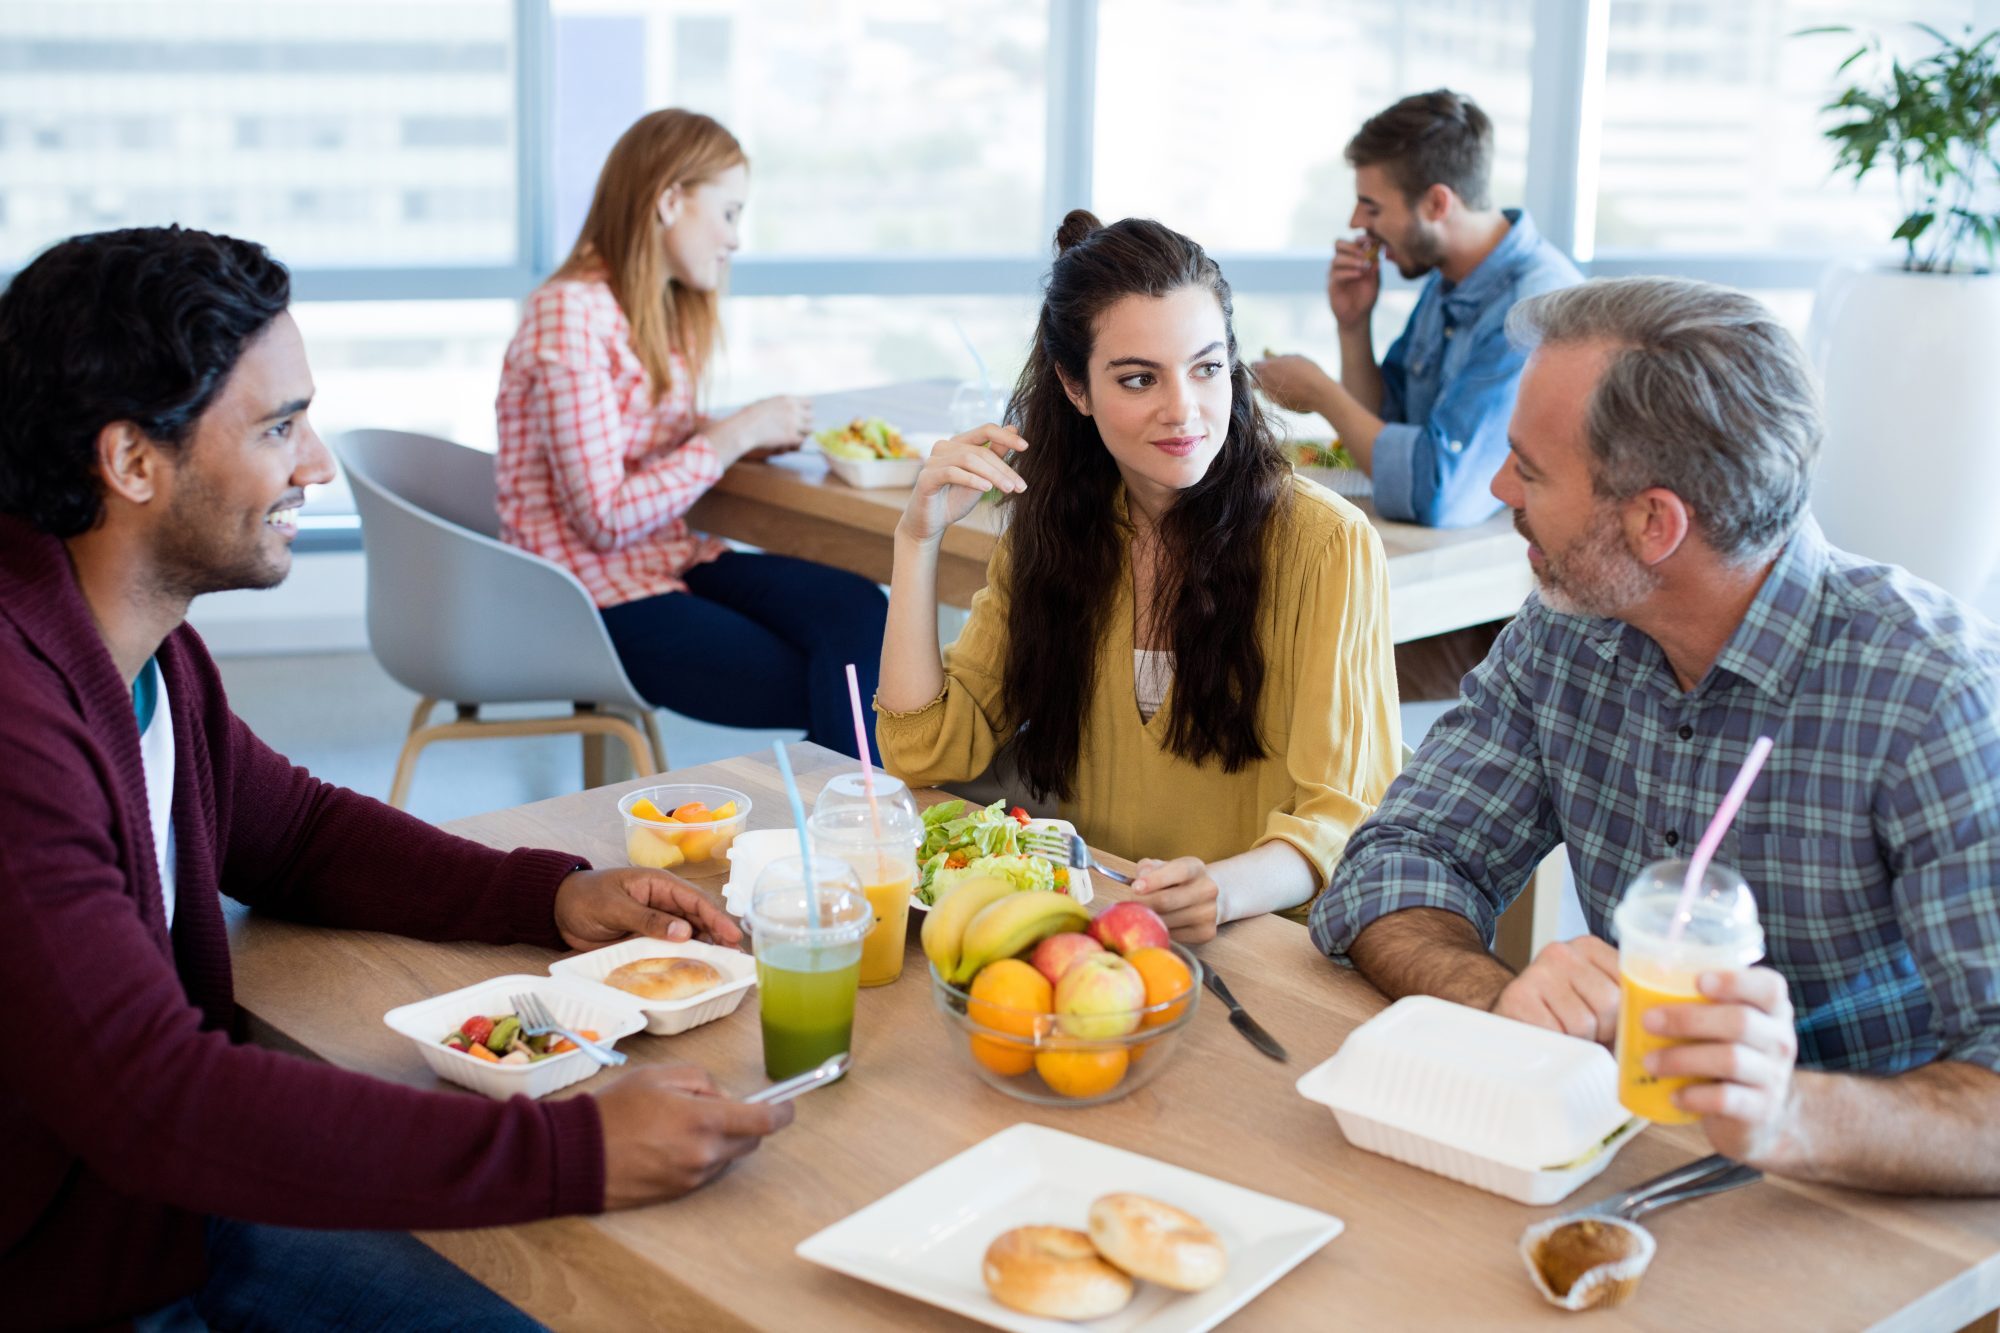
(758, 641)
(283, 1278)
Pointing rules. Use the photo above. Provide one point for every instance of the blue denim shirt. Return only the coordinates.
(1872, 838)
(1448, 384)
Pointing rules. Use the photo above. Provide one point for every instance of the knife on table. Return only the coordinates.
(1239, 1017)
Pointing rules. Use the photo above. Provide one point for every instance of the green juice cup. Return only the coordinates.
(807, 975)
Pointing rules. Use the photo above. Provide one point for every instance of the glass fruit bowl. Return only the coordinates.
(1070, 1059)
(667, 843)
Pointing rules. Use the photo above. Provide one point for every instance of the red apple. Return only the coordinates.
(1100, 998)
(1128, 927)
(1058, 953)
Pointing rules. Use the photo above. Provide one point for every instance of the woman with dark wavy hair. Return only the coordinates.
(1184, 644)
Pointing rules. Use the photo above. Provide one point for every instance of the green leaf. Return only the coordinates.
(1913, 226)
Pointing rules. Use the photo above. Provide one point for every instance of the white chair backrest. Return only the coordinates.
(454, 613)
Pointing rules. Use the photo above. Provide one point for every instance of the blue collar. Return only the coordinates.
(1495, 272)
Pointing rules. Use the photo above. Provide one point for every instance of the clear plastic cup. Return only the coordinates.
(845, 790)
(806, 974)
(880, 847)
(1721, 934)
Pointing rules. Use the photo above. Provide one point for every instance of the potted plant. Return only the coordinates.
(1910, 354)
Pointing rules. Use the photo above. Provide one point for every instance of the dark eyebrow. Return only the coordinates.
(1144, 364)
(293, 408)
(1367, 199)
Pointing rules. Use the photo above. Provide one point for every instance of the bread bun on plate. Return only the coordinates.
(665, 978)
(1054, 1272)
(1157, 1241)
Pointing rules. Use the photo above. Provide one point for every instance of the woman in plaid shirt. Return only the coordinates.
(602, 451)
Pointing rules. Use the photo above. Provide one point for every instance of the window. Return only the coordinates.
(370, 133)
(1712, 134)
(873, 126)
(1229, 123)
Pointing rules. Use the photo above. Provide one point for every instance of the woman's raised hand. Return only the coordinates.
(958, 473)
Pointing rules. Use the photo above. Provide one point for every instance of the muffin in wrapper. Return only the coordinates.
(1586, 1263)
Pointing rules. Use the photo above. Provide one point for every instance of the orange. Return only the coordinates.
(1082, 1073)
(1010, 997)
(694, 812)
(1166, 977)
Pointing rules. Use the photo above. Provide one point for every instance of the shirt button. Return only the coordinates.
(1673, 838)
(1455, 446)
(1686, 732)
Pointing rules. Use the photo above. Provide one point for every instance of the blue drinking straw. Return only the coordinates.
(805, 835)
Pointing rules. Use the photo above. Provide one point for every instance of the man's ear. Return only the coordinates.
(1077, 397)
(1657, 524)
(1435, 203)
(130, 463)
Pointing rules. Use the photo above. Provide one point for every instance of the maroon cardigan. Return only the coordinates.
(127, 1109)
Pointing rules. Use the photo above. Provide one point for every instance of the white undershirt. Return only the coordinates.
(1152, 677)
(156, 755)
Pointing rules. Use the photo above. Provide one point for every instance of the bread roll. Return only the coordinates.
(665, 978)
(1054, 1272)
(1157, 1241)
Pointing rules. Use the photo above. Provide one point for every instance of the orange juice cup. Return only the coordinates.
(880, 846)
(1655, 967)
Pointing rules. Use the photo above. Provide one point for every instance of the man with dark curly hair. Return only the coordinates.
(154, 445)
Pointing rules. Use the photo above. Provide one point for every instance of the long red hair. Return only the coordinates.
(621, 236)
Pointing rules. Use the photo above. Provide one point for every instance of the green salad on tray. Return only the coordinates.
(966, 842)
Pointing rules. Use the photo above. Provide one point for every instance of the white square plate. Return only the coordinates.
(926, 1240)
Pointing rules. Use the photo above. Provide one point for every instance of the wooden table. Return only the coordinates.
(1419, 1251)
(1439, 578)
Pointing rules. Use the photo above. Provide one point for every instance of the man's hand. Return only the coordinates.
(598, 906)
(1571, 986)
(667, 1131)
(1293, 382)
(1354, 282)
(1745, 1042)
(1184, 894)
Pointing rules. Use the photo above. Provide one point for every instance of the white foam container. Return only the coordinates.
(609, 1013)
(666, 1017)
(1480, 1099)
(869, 474)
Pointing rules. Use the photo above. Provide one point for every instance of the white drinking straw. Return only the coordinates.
(1710, 840)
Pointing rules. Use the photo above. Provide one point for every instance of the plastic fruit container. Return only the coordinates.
(1027, 1055)
(670, 844)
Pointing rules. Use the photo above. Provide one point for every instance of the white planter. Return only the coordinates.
(1910, 474)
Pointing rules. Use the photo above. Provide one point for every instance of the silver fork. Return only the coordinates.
(1065, 849)
(537, 1021)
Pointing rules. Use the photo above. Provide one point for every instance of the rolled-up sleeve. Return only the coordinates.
(1939, 818)
(956, 735)
(1437, 471)
(1466, 823)
(1346, 730)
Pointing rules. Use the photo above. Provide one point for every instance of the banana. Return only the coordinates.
(1012, 924)
(944, 927)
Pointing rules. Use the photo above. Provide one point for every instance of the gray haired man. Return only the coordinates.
(1661, 456)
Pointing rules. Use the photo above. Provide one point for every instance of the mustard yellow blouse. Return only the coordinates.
(1328, 717)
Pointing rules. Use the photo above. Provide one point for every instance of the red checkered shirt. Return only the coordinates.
(592, 473)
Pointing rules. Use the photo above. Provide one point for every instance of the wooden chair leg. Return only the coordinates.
(406, 761)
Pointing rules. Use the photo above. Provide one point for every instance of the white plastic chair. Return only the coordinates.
(458, 615)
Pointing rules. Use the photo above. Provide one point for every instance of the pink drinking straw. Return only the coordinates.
(861, 748)
(1710, 840)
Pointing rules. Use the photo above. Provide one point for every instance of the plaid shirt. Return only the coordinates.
(592, 473)
(1872, 839)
